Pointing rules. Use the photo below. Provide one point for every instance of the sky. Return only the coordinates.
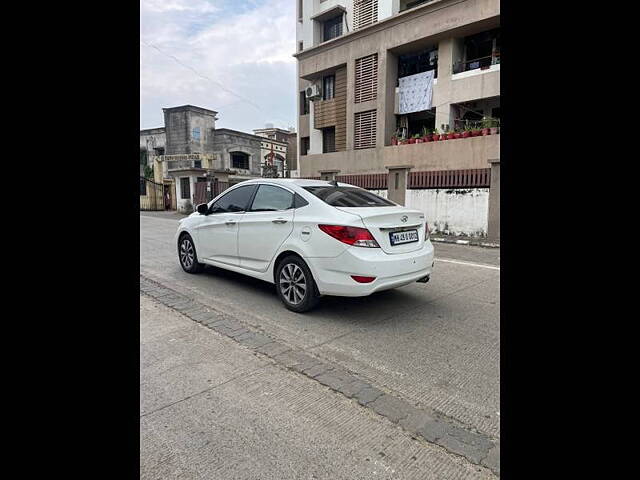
(231, 56)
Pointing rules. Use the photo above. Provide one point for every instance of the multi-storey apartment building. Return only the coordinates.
(364, 67)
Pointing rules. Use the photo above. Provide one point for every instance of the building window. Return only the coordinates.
(185, 188)
(300, 46)
(239, 160)
(366, 79)
(300, 2)
(304, 145)
(304, 104)
(328, 139)
(332, 28)
(328, 87)
(365, 12)
(365, 130)
(159, 151)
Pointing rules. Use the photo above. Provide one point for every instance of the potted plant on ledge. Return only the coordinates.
(450, 134)
(485, 126)
(426, 135)
(494, 127)
(435, 136)
(466, 132)
(395, 138)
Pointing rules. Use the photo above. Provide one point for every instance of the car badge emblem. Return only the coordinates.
(404, 218)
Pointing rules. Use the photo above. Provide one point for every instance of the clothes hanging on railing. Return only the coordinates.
(415, 92)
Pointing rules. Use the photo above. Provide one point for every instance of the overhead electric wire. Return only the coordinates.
(220, 85)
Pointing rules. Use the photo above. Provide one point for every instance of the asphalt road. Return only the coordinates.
(435, 345)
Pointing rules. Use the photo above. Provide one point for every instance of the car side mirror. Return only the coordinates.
(203, 209)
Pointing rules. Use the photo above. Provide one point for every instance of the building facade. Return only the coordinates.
(189, 149)
(356, 63)
(152, 143)
(280, 145)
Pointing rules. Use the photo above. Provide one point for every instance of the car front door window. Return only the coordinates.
(236, 200)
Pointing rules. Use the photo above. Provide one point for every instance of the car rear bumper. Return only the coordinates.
(333, 275)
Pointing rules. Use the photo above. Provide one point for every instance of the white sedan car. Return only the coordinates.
(309, 238)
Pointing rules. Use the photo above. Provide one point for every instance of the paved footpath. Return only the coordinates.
(423, 357)
(213, 408)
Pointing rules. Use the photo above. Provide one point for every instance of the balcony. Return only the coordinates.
(465, 153)
(483, 63)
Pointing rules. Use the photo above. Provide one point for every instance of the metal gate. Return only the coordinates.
(207, 191)
(152, 195)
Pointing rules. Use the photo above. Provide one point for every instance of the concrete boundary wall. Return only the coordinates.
(452, 211)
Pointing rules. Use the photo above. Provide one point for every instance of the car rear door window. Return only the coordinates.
(348, 197)
(271, 198)
(237, 200)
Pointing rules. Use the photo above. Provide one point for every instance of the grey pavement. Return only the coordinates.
(211, 408)
(434, 345)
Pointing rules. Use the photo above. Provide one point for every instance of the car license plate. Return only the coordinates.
(407, 236)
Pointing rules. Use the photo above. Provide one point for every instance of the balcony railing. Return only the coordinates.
(482, 63)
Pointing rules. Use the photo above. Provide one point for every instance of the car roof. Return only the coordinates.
(301, 182)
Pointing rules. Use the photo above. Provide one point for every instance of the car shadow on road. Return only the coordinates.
(362, 309)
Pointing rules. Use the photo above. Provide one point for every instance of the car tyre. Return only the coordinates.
(295, 285)
(187, 255)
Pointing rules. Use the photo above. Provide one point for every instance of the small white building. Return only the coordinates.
(278, 148)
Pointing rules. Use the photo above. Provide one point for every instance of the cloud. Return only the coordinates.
(245, 46)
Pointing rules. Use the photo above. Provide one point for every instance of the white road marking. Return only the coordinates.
(479, 265)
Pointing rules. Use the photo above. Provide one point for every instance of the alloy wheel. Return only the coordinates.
(293, 283)
(187, 254)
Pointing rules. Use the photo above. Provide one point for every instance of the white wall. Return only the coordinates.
(462, 211)
(185, 205)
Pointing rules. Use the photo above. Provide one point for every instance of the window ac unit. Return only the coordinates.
(312, 92)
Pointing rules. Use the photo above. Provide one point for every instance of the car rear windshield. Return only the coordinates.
(348, 197)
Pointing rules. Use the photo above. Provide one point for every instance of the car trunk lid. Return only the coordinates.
(381, 221)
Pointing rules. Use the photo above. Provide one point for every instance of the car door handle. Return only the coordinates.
(279, 220)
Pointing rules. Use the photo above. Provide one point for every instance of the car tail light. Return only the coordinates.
(361, 279)
(356, 236)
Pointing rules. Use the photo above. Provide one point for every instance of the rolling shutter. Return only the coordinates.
(365, 12)
(366, 87)
(365, 130)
